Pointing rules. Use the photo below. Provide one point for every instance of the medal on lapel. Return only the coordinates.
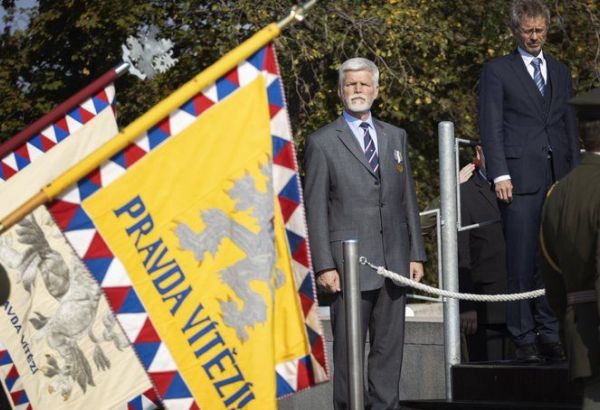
(399, 161)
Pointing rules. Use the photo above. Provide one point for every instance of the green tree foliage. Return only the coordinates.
(430, 53)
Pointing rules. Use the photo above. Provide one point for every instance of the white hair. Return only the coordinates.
(358, 64)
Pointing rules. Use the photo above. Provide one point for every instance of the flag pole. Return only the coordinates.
(154, 115)
(62, 109)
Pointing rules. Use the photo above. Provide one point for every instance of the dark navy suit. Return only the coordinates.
(533, 139)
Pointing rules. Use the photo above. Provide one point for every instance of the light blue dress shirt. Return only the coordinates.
(354, 124)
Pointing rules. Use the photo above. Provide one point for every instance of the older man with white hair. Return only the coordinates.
(359, 185)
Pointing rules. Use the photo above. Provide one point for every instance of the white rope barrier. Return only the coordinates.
(447, 294)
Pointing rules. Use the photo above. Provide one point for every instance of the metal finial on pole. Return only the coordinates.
(296, 13)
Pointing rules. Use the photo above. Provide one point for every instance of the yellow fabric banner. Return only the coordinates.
(196, 226)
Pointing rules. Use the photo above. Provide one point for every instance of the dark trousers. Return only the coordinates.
(531, 320)
(488, 344)
(382, 314)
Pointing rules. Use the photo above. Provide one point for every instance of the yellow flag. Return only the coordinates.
(196, 234)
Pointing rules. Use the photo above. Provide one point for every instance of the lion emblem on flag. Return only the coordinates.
(260, 255)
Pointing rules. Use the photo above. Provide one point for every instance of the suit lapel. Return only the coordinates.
(516, 63)
(347, 138)
(382, 146)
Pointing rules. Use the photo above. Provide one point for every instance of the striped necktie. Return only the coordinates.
(537, 75)
(370, 151)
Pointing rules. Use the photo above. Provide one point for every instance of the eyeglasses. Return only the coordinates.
(531, 31)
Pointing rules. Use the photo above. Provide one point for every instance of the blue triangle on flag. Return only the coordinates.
(290, 190)
(99, 104)
(36, 141)
(22, 162)
(98, 267)
(177, 389)
(147, 352)
(119, 159)
(278, 144)
(274, 93)
(283, 388)
(59, 133)
(156, 136)
(258, 59)
(135, 404)
(294, 240)
(10, 382)
(307, 286)
(225, 87)
(76, 115)
(86, 188)
(2, 177)
(131, 304)
(5, 358)
(189, 107)
(80, 220)
(312, 335)
(23, 398)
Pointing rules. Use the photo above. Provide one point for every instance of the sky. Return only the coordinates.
(22, 20)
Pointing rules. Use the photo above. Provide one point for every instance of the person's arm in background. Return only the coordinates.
(468, 313)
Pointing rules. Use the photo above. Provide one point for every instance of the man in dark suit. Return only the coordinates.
(570, 241)
(358, 185)
(482, 266)
(529, 139)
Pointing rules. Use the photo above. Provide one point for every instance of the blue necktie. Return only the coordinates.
(370, 151)
(537, 74)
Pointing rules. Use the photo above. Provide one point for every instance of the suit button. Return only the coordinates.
(381, 205)
(381, 231)
(376, 183)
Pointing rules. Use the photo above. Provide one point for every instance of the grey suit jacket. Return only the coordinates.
(346, 200)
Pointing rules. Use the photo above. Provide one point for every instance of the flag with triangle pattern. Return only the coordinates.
(197, 236)
(60, 344)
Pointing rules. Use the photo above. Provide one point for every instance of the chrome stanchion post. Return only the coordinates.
(449, 248)
(353, 324)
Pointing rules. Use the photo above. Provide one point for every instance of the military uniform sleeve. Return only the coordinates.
(551, 270)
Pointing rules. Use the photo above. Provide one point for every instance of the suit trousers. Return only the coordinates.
(382, 314)
(528, 321)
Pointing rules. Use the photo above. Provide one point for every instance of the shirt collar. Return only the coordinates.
(528, 57)
(355, 122)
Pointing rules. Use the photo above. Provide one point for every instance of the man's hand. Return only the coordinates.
(416, 271)
(468, 322)
(504, 190)
(329, 280)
